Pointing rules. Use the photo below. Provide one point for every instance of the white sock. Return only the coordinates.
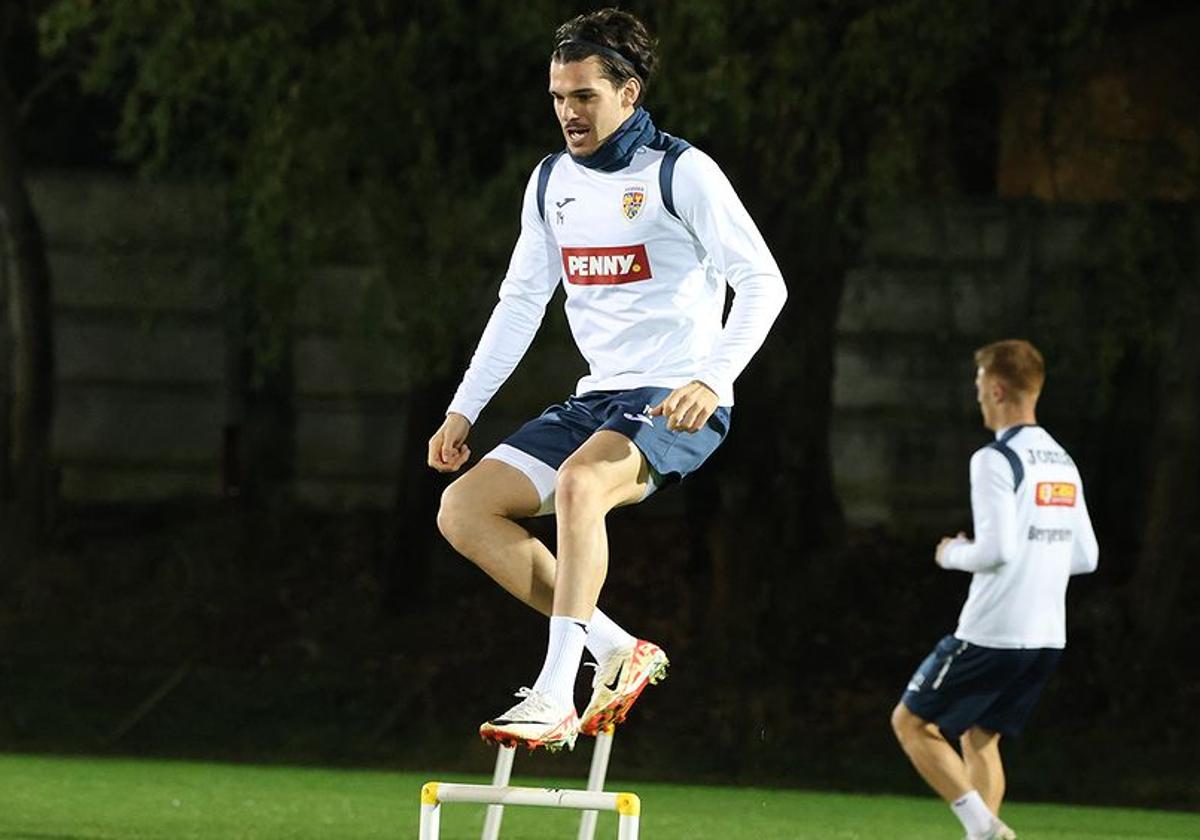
(604, 636)
(972, 812)
(563, 652)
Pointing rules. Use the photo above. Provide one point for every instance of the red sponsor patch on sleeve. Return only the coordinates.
(1055, 494)
(606, 266)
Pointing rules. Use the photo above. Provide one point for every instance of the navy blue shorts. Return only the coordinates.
(961, 685)
(539, 447)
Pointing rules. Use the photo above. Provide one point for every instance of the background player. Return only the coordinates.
(645, 233)
(1032, 532)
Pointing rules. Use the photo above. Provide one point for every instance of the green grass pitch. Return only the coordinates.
(52, 798)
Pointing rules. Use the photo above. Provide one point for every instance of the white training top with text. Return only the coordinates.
(645, 290)
(1027, 543)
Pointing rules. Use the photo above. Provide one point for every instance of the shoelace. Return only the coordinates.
(534, 702)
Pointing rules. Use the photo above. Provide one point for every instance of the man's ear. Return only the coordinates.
(630, 92)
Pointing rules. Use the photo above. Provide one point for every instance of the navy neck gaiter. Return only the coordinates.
(617, 151)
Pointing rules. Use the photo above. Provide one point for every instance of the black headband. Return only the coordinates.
(599, 48)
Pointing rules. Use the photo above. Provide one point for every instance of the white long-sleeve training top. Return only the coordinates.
(1032, 532)
(645, 287)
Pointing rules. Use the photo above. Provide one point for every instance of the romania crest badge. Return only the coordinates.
(632, 202)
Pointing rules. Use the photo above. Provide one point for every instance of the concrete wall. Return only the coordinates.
(144, 356)
(139, 336)
(935, 282)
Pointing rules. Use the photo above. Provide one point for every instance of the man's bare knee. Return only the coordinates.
(905, 724)
(577, 489)
(456, 515)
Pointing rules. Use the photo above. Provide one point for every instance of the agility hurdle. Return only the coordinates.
(499, 793)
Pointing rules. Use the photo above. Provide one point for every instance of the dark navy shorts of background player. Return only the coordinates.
(563, 428)
(960, 685)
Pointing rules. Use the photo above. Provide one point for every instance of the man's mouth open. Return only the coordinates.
(576, 134)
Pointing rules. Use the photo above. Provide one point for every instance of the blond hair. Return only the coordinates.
(1016, 363)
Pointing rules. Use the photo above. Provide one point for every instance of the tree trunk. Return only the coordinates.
(416, 543)
(1170, 536)
(260, 436)
(32, 402)
(777, 498)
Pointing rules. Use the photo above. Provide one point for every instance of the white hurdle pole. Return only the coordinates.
(433, 794)
(596, 775)
(431, 812)
(500, 777)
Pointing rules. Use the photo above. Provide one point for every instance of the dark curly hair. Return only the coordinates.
(625, 47)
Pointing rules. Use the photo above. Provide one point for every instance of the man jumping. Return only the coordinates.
(645, 233)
